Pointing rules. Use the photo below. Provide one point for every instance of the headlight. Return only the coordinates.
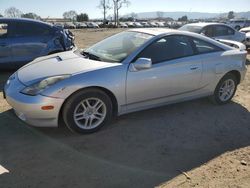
(42, 85)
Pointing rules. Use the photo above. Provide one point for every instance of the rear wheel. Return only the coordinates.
(225, 89)
(87, 111)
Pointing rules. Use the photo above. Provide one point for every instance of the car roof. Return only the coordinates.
(203, 24)
(27, 20)
(154, 31)
(162, 31)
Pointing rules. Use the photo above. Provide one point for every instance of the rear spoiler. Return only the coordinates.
(233, 44)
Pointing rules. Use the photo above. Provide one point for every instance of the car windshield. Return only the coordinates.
(191, 28)
(116, 48)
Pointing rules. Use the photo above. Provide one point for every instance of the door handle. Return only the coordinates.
(194, 68)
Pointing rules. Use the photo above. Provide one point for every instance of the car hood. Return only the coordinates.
(59, 64)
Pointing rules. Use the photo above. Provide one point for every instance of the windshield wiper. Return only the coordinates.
(91, 56)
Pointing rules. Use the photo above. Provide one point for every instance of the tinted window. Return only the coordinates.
(191, 28)
(204, 47)
(208, 31)
(221, 30)
(168, 48)
(28, 29)
(3, 30)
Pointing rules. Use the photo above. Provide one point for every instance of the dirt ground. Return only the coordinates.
(190, 144)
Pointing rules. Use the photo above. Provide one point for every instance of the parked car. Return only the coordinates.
(130, 24)
(160, 24)
(123, 25)
(138, 25)
(92, 25)
(22, 40)
(145, 24)
(239, 23)
(247, 42)
(169, 66)
(215, 30)
(245, 30)
(80, 25)
(153, 24)
(69, 25)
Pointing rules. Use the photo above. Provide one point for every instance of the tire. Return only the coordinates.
(80, 115)
(217, 97)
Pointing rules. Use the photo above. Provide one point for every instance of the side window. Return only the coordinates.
(203, 47)
(222, 30)
(28, 29)
(208, 31)
(168, 48)
(3, 30)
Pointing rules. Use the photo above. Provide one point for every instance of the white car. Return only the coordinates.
(245, 30)
(215, 31)
(247, 43)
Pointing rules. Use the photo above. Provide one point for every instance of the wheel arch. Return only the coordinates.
(105, 90)
(236, 73)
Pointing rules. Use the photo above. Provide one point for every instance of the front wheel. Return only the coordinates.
(225, 89)
(87, 111)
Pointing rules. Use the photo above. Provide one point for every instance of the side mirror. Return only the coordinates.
(141, 64)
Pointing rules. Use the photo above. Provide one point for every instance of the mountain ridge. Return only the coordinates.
(190, 15)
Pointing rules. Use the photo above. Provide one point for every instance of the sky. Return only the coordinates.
(55, 8)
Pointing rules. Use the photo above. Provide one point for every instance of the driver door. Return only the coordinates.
(175, 71)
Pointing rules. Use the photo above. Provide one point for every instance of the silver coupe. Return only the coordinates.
(130, 71)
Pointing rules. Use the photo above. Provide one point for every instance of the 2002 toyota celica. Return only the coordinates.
(130, 71)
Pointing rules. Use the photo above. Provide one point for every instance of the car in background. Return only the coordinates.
(138, 25)
(245, 30)
(153, 24)
(23, 40)
(80, 25)
(69, 25)
(215, 30)
(145, 24)
(239, 23)
(130, 24)
(85, 89)
(123, 25)
(160, 24)
(92, 25)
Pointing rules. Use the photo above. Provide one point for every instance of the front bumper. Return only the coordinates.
(28, 108)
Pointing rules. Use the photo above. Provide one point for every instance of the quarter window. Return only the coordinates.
(168, 48)
(203, 47)
(221, 30)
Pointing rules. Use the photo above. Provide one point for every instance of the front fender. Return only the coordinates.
(112, 79)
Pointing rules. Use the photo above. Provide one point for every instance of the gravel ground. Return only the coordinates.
(191, 144)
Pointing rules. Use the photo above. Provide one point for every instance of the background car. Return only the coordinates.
(80, 25)
(239, 23)
(92, 25)
(22, 40)
(215, 30)
(123, 25)
(245, 30)
(69, 25)
(168, 66)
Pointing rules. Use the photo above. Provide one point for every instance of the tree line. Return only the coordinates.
(104, 5)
